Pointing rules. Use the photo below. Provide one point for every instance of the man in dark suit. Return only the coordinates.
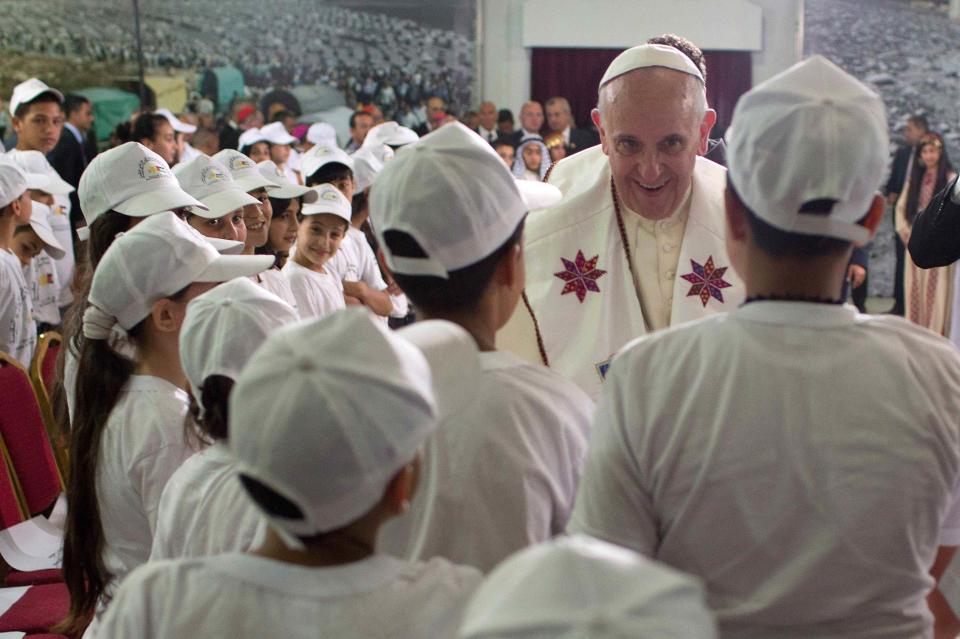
(71, 155)
(487, 121)
(531, 122)
(560, 120)
(913, 132)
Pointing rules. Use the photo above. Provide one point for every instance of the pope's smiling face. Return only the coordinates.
(653, 124)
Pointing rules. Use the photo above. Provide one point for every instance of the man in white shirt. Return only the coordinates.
(801, 459)
(501, 472)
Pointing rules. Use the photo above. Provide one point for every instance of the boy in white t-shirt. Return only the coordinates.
(36, 246)
(801, 459)
(503, 470)
(18, 331)
(321, 228)
(349, 406)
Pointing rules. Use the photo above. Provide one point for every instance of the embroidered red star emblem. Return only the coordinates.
(707, 281)
(581, 275)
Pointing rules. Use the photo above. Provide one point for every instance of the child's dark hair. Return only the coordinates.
(46, 96)
(249, 147)
(101, 375)
(465, 286)
(329, 172)
(145, 126)
(209, 423)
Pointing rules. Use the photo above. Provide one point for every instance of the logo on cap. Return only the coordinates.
(322, 150)
(238, 162)
(150, 169)
(212, 175)
(330, 196)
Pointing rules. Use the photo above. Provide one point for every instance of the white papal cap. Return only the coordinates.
(133, 180)
(326, 413)
(810, 133)
(583, 588)
(209, 181)
(224, 326)
(650, 55)
(453, 194)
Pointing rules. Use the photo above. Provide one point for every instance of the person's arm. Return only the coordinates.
(376, 301)
(935, 237)
(857, 270)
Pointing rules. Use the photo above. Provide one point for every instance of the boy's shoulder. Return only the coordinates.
(534, 383)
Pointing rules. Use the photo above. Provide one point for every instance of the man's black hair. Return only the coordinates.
(329, 172)
(72, 102)
(463, 289)
(504, 115)
(920, 121)
(353, 117)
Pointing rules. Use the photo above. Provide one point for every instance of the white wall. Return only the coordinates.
(774, 33)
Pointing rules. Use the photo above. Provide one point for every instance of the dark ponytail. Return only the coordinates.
(102, 375)
(209, 424)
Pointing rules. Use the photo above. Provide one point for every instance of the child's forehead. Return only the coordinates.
(326, 220)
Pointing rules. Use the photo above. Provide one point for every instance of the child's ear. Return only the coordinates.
(510, 272)
(399, 492)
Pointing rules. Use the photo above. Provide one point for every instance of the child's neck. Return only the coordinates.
(307, 264)
(479, 324)
(8, 224)
(336, 549)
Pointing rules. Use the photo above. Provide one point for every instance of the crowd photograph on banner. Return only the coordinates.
(480, 319)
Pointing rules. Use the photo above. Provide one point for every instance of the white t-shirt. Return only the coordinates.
(18, 331)
(274, 281)
(801, 459)
(317, 294)
(41, 277)
(62, 230)
(356, 262)
(237, 596)
(505, 468)
(142, 445)
(204, 509)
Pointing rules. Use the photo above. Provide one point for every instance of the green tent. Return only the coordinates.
(222, 85)
(110, 108)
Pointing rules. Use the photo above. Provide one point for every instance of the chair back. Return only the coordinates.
(43, 374)
(23, 431)
(11, 496)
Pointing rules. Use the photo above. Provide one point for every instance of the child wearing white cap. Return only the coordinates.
(127, 434)
(321, 228)
(255, 145)
(505, 466)
(209, 181)
(248, 178)
(285, 201)
(800, 458)
(580, 587)
(36, 246)
(18, 331)
(203, 509)
(339, 458)
(281, 147)
(119, 188)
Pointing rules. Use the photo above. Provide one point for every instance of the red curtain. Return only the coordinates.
(575, 74)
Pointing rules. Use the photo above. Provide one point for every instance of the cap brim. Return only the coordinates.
(228, 267)
(289, 139)
(157, 201)
(253, 183)
(225, 247)
(538, 195)
(37, 181)
(219, 204)
(55, 186)
(290, 191)
(46, 236)
(183, 127)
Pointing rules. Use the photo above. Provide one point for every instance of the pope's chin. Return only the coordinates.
(651, 203)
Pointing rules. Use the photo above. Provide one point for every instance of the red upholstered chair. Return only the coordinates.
(43, 373)
(40, 608)
(23, 431)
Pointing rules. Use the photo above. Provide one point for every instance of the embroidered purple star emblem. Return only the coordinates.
(707, 281)
(580, 276)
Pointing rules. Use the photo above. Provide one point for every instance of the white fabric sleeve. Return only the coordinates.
(612, 502)
(9, 315)
(369, 268)
(950, 528)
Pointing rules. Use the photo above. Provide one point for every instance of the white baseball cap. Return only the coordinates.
(155, 259)
(650, 55)
(250, 137)
(13, 181)
(326, 413)
(244, 171)
(276, 133)
(29, 91)
(47, 179)
(286, 189)
(224, 326)
(329, 200)
(209, 181)
(577, 587)
(812, 132)
(178, 125)
(133, 180)
(323, 134)
(453, 194)
(391, 134)
(319, 156)
(366, 167)
(40, 223)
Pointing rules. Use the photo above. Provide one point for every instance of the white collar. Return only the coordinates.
(809, 314)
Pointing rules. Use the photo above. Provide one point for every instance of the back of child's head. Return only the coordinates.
(345, 395)
(324, 164)
(446, 210)
(221, 330)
